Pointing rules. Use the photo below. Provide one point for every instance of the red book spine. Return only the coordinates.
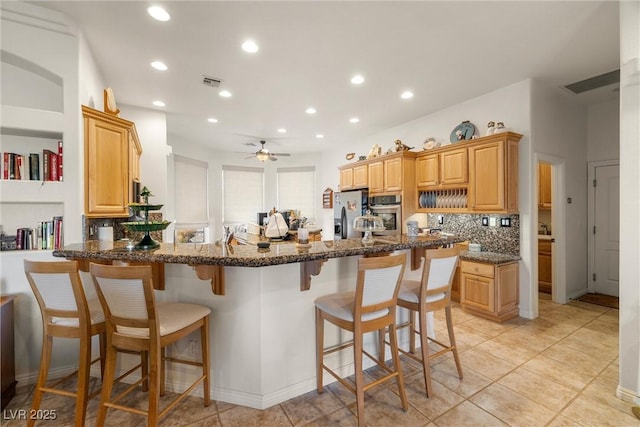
(59, 160)
(5, 166)
(53, 173)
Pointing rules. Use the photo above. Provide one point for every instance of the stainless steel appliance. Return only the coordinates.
(388, 208)
(348, 205)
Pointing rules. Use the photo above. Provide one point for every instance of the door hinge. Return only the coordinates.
(594, 182)
(594, 277)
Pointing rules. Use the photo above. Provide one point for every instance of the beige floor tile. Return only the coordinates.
(310, 406)
(612, 372)
(576, 359)
(490, 366)
(518, 338)
(541, 390)
(488, 327)
(604, 391)
(506, 351)
(594, 343)
(512, 408)
(241, 416)
(341, 418)
(557, 371)
(442, 400)
(561, 421)
(588, 411)
(467, 414)
(471, 382)
(468, 335)
(384, 409)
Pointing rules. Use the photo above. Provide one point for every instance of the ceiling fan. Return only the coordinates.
(264, 154)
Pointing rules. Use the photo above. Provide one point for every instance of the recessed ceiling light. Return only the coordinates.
(225, 94)
(319, 135)
(212, 120)
(250, 46)
(158, 13)
(354, 120)
(357, 79)
(159, 65)
(310, 110)
(282, 130)
(159, 103)
(407, 94)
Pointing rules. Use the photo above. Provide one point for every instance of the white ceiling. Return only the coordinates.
(445, 52)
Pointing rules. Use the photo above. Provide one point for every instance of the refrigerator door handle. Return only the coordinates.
(343, 222)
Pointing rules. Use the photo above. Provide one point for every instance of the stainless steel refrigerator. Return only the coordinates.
(348, 205)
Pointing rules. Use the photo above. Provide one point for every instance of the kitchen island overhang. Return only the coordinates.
(209, 260)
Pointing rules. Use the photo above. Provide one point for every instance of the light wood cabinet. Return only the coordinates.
(393, 174)
(490, 290)
(112, 156)
(361, 176)
(346, 179)
(544, 186)
(493, 174)
(545, 272)
(442, 169)
(376, 177)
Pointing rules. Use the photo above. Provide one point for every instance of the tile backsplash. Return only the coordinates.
(491, 238)
(90, 228)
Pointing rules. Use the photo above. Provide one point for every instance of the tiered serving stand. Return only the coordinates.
(146, 226)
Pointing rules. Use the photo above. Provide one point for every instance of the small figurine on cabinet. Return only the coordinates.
(401, 147)
(499, 128)
(491, 128)
(375, 151)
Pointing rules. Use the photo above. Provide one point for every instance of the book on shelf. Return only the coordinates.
(34, 166)
(59, 160)
(47, 235)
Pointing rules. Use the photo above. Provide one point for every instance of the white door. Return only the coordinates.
(606, 229)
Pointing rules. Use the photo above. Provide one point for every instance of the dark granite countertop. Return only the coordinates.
(489, 257)
(248, 255)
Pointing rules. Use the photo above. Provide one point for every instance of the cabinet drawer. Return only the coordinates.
(479, 269)
(544, 245)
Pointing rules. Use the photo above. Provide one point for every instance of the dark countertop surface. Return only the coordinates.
(489, 257)
(246, 255)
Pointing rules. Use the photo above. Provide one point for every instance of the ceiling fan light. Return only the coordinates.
(262, 156)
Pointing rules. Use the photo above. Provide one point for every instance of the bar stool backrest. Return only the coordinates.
(377, 285)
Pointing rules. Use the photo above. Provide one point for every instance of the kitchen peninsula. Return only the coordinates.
(262, 349)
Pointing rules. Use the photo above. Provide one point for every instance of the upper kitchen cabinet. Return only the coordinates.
(354, 177)
(493, 173)
(376, 176)
(112, 164)
(544, 186)
(444, 169)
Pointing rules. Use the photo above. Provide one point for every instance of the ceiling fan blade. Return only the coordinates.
(250, 157)
(281, 154)
(273, 159)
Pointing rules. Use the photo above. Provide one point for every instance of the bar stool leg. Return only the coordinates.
(412, 331)
(424, 343)
(319, 348)
(395, 354)
(107, 384)
(357, 355)
(103, 352)
(452, 340)
(82, 391)
(204, 343)
(45, 361)
(155, 376)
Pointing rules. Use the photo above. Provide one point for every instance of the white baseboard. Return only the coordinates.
(628, 396)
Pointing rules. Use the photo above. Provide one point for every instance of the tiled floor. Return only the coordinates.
(558, 370)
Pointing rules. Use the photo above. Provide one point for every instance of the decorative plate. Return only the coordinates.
(464, 131)
(350, 156)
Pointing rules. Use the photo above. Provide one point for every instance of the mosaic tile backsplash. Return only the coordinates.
(90, 228)
(493, 239)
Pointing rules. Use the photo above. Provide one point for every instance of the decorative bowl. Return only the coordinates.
(145, 207)
(146, 226)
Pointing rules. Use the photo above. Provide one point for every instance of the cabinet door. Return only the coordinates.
(487, 177)
(376, 180)
(545, 275)
(361, 176)
(106, 169)
(507, 291)
(544, 185)
(478, 292)
(393, 174)
(427, 173)
(453, 167)
(346, 179)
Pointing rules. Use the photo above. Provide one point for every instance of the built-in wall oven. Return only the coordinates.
(389, 209)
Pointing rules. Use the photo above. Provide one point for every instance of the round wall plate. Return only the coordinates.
(465, 130)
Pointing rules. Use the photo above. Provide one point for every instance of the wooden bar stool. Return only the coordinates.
(66, 313)
(134, 321)
(431, 293)
(372, 307)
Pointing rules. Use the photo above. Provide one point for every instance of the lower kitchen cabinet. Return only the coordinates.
(545, 272)
(489, 290)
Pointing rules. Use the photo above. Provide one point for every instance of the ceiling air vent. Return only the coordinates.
(211, 81)
(596, 82)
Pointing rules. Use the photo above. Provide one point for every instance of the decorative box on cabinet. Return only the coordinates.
(490, 290)
(493, 173)
(112, 154)
(7, 370)
(545, 272)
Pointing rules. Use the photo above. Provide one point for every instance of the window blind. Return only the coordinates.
(243, 190)
(296, 189)
(190, 180)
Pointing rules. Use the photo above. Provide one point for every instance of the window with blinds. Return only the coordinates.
(243, 193)
(190, 180)
(296, 189)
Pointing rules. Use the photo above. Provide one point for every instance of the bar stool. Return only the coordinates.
(134, 321)
(431, 293)
(370, 308)
(66, 313)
